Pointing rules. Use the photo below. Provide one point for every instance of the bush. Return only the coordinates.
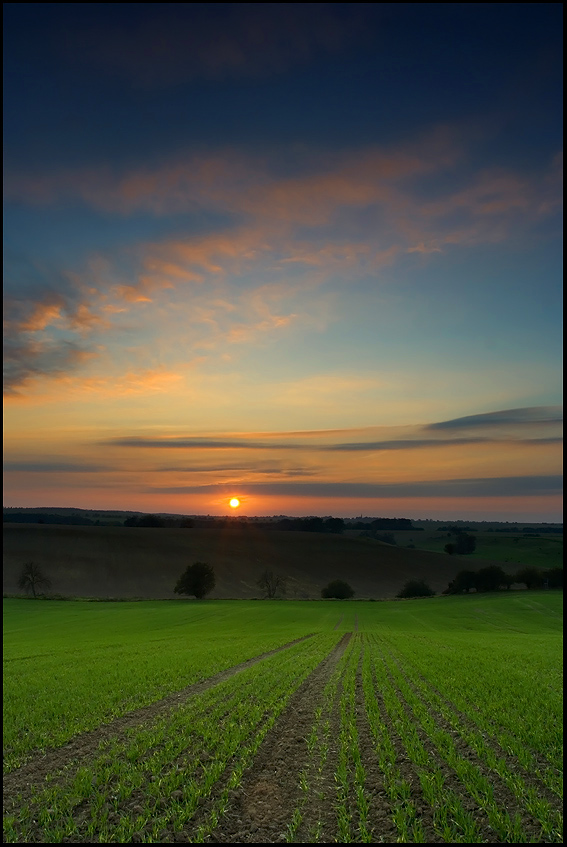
(465, 544)
(197, 579)
(492, 578)
(530, 577)
(464, 581)
(416, 588)
(554, 577)
(338, 590)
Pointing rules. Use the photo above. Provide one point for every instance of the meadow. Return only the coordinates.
(509, 550)
(435, 720)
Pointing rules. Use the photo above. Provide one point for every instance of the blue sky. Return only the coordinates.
(257, 223)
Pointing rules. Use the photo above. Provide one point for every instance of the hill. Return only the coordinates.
(105, 561)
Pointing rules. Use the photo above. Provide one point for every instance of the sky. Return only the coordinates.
(304, 255)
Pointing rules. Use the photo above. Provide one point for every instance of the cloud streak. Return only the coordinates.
(515, 486)
(529, 415)
(437, 435)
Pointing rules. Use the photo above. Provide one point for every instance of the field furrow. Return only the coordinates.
(368, 736)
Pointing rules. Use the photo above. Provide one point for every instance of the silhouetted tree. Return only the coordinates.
(450, 549)
(335, 525)
(530, 577)
(151, 520)
(197, 579)
(491, 579)
(554, 577)
(338, 590)
(464, 581)
(416, 588)
(464, 543)
(33, 579)
(271, 583)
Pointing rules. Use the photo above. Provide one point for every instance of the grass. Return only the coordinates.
(450, 690)
(507, 549)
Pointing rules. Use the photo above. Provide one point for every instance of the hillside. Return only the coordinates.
(86, 561)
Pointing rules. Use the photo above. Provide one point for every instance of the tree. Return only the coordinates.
(554, 577)
(33, 579)
(151, 520)
(338, 590)
(491, 578)
(464, 581)
(465, 543)
(531, 577)
(416, 588)
(197, 579)
(271, 583)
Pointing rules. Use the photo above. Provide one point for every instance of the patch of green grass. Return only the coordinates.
(543, 551)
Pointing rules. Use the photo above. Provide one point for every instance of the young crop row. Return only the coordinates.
(50, 697)
(150, 785)
(429, 774)
(395, 736)
(516, 702)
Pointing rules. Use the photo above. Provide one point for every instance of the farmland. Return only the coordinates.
(435, 720)
(128, 562)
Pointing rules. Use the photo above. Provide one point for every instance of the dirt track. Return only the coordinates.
(290, 790)
(22, 781)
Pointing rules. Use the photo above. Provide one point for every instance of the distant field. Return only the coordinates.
(543, 551)
(132, 562)
(321, 722)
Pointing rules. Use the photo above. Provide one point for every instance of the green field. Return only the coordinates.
(418, 721)
(510, 550)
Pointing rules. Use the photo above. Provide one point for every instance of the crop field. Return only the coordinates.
(419, 721)
(509, 550)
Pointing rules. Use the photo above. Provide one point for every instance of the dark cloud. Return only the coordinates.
(404, 444)
(166, 44)
(354, 446)
(200, 443)
(513, 486)
(529, 415)
(255, 469)
(25, 360)
(54, 467)
(45, 319)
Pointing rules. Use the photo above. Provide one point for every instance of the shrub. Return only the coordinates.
(197, 579)
(554, 577)
(416, 588)
(338, 590)
(492, 578)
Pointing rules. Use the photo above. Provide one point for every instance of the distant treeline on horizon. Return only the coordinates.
(307, 524)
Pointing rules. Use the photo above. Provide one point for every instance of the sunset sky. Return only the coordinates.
(306, 255)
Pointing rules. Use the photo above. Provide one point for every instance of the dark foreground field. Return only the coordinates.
(132, 562)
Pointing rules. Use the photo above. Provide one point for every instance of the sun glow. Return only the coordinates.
(234, 503)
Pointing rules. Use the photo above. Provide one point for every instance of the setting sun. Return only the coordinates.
(234, 503)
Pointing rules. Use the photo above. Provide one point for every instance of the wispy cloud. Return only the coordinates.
(434, 435)
(162, 47)
(54, 467)
(514, 486)
(504, 418)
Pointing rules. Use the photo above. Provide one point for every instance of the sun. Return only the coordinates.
(234, 503)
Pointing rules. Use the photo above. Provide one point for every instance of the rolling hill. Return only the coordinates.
(117, 562)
